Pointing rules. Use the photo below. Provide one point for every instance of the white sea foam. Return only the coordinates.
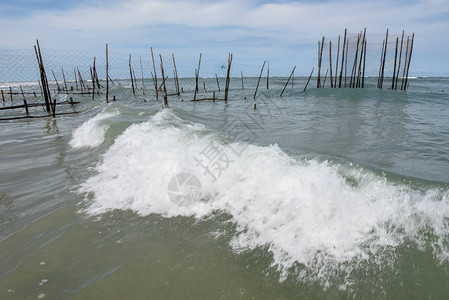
(91, 133)
(306, 212)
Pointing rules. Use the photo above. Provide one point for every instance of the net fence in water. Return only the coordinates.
(342, 61)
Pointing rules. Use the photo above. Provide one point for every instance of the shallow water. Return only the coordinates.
(323, 194)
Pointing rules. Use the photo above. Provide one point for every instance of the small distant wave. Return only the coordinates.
(91, 133)
(314, 214)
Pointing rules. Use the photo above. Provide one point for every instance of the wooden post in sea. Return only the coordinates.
(218, 83)
(107, 75)
(364, 61)
(405, 63)
(155, 74)
(325, 76)
(57, 84)
(163, 76)
(260, 75)
(76, 79)
(131, 75)
(268, 74)
(10, 93)
(93, 83)
(354, 66)
(336, 64)
(383, 62)
(395, 60)
(241, 73)
(291, 74)
(342, 59)
(320, 57)
(409, 59)
(228, 78)
(362, 51)
(310, 76)
(197, 73)
(346, 61)
(380, 65)
(399, 63)
(3, 97)
(135, 79)
(330, 63)
(65, 82)
(44, 82)
(176, 73)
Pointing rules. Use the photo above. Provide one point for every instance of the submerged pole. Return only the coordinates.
(291, 74)
(260, 75)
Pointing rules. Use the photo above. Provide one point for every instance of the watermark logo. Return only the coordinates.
(184, 189)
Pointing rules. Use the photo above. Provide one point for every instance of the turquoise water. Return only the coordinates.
(323, 194)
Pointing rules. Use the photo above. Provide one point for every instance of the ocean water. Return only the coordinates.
(323, 194)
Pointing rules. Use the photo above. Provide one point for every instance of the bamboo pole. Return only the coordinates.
(395, 60)
(409, 60)
(310, 76)
(287, 81)
(243, 87)
(135, 79)
(155, 74)
(364, 61)
(228, 78)
(131, 75)
(93, 83)
(163, 75)
(218, 83)
(26, 107)
(380, 65)
(346, 61)
(354, 65)
(197, 73)
(268, 74)
(383, 63)
(260, 75)
(57, 84)
(65, 82)
(405, 63)
(359, 73)
(3, 97)
(320, 58)
(176, 73)
(45, 89)
(336, 64)
(342, 59)
(107, 74)
(399, 64)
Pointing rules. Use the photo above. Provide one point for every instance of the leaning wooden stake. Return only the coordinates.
(93, 83)
(395, 60)
(409, 59)
(57, 84)
(163, 75)
(197, 73)
(228, 78)
(65, 82)
(310, 76)
(336, 64)
(320, 57)
(291, 74)
(268, 74)
(155, 74)
(176, 74)
(342, 59)
(44, 82)
(131, 75)
(325, 76)
(330, 64)
(399, 63)
(260, 75)
(383, 62)
(218, 83)
(405, 63)
(364, 61)
(241, 73)
(26, 107)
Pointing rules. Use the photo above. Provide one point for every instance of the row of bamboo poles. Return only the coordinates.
(339, 77)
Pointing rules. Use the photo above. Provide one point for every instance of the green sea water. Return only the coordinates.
(323, 194)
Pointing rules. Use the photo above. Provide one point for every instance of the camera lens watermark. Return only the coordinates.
(184, 189)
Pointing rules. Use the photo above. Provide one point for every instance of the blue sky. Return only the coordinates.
(286, 32)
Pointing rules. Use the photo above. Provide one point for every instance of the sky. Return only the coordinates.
(285, 32)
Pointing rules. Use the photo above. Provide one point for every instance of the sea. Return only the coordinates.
(327, 193)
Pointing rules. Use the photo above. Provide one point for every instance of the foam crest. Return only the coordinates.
(307, 213)
(91, 133)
